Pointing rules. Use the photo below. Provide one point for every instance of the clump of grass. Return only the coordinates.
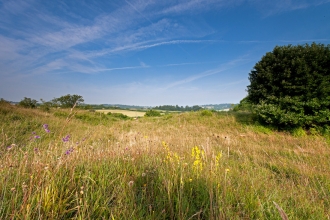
(261, 129)
(298, 132)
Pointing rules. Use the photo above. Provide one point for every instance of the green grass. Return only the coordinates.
(150, 168)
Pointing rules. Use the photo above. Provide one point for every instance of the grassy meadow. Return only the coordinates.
(66, 164)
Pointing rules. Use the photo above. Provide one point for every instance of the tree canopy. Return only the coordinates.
(68, 101)
(290, 86)
(28, 103)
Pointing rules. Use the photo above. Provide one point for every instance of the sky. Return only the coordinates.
(147, 52)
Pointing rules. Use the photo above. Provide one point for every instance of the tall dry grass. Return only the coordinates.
(178, 166)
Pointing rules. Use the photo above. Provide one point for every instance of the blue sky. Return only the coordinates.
(147, 52)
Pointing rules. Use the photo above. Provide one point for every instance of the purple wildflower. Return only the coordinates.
(36, 149)
(34, 132)
(45, 126)
(37, 137)
(9, 147)
(66, 139)
(69, 151)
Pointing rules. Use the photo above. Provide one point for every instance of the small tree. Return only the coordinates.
(28, 103)
(68, 101)
(290, 86)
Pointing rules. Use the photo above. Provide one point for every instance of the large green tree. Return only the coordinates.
(68, 101)
(290, 86)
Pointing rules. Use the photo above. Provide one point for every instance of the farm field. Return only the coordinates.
(125, 112)
(194, 165)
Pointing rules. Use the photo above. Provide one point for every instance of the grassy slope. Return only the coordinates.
(147, 168)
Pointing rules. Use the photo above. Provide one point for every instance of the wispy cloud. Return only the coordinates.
(194, 5)
(116, 29)
(220, 69)
(143, 46)
(138, 11)
(269, 8)
(276, 41)
(121, 68)
(183, 64)
(169, 43)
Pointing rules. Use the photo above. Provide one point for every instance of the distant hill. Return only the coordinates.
(178, 108)
(138, 107)
(164, 107)
(125, 106)
(218, 106)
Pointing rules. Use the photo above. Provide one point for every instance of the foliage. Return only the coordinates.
(94, 118)
(244, 105)
(68, 101)
(289, 87)
(119, 115)
(3, 101)
(261, 129)
(28, 103)
(88, 107)
(152, 113)
(61, 114)
(45, 106)
(206, 113)
(298, 132)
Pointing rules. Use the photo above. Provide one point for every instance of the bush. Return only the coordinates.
(152, 113)
(206, 113)
(28, 103)
(289, 87)
(119, 115)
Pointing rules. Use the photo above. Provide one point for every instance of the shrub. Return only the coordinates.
(206, 113)
(152, 113)
(119, 115)
(45, 106)
(28, 103)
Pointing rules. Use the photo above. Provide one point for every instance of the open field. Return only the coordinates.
(125, 112)
(182, 166)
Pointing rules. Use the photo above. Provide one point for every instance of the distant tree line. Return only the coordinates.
(177, 108)
(66, 101)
